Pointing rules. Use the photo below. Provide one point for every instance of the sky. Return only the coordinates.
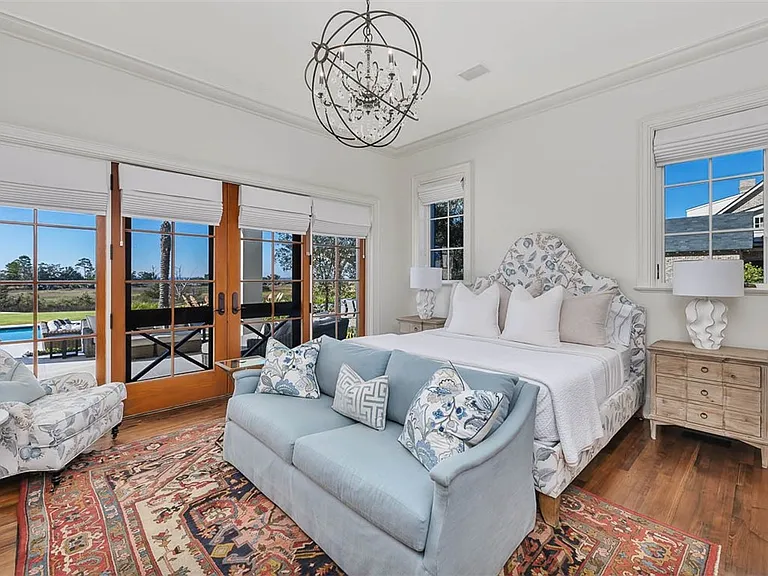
(66, 246)
(732, 167)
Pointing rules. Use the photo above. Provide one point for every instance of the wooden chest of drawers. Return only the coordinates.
(721, 392)
(409, 324)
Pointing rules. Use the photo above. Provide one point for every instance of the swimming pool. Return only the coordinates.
(16, 333)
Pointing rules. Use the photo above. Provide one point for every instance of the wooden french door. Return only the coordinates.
(185, 296)
(170, 311)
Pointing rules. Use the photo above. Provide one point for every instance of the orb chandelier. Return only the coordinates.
(358, 93)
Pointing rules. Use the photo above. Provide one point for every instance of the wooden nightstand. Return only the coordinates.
(723, 392)
(409, 324)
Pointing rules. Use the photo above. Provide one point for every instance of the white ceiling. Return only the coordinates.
(259, 49)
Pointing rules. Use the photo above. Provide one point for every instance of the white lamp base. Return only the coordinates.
(425, 304)
(707, 320)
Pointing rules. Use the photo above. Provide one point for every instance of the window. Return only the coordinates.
(446, 238)
(169, 295)
(713, 208)
(271, 290)
(338, 272)
(442, 206)
(700, 187)
(48, 289)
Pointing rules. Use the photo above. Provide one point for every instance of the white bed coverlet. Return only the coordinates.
(574, 378)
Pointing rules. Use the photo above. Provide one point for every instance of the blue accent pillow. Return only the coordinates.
(290, 372)
(369, 363)
(447, 417)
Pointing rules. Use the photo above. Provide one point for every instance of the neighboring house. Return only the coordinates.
(743, 212)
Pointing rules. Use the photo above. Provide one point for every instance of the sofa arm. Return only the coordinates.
(246, 381)
(484, 498)
(72, 382)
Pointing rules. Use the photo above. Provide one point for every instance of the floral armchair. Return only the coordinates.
(48, 433)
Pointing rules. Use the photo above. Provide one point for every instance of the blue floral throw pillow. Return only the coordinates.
(290, 372)
(447, 417)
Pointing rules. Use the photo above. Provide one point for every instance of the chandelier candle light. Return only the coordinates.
(426, 281)
(355, 77)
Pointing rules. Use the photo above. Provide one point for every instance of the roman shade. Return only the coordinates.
(33, 178)
(441, 190)
(160, 195)
(727, 134)
(335, 218)
(263, 209)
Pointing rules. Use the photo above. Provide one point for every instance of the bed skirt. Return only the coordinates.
(551, 475)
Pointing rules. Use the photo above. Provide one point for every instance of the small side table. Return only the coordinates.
(410, 324)
(4, 416)
(236, 364)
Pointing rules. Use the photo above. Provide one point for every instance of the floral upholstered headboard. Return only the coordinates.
(544, 258)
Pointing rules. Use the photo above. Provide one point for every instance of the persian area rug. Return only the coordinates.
(169, 505)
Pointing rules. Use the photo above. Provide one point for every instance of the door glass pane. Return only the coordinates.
(16, 303)
(193, 351)
(68, 303)
(324, 297)
(348, 263)
(145, 250)
(190, 228)
(256, 257)
(66, 219)
(192, 258)
(16, 251)
(149, 355)
(284, 267)
(63, 355)
(11, 214)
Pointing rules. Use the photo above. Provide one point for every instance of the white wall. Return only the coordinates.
(55, 92)
(573, 171)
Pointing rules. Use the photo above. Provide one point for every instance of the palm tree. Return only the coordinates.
(164, 299)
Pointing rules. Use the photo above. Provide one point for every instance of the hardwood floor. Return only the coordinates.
(707, 488)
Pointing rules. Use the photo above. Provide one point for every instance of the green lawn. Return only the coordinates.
(12, 318)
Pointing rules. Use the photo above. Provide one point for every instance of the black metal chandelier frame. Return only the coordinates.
(326, 55)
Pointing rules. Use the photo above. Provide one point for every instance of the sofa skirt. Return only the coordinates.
(356, 545)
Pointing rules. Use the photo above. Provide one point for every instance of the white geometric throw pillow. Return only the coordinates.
(447, 417)
(361, 400)
(290, 372)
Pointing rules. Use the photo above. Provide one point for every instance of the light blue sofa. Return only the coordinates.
(366, 501)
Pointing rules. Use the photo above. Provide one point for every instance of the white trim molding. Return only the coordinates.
(420, 214)
(650, 201)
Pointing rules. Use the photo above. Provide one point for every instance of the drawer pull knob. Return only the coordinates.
(704, 369)
(704, 393)
(703, 415)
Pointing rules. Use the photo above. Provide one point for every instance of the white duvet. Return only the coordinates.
(573, 380)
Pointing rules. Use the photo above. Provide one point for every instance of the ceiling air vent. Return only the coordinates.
(474, 72)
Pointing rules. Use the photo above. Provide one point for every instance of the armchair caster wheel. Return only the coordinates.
(115, 432)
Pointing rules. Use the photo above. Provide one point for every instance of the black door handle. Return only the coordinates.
(221, 309)
(235, 303)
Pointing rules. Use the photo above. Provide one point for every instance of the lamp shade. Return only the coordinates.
(709, 278)
(423, 278)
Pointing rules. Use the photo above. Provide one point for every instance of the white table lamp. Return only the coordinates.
(426, 281)
(708, 279)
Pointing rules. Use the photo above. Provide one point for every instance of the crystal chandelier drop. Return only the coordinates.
(355, 77)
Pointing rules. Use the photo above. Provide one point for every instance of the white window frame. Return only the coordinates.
(420, 217)
(650, 185)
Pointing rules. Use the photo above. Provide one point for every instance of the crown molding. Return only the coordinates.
(737, 39)
(749, 35)
(53, 39)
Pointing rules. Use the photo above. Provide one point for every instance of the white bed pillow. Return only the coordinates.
(534, 320)
(474, 314)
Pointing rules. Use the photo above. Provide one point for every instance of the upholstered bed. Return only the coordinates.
(545, 260)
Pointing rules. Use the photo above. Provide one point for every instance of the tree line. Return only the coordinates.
(21, 270)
